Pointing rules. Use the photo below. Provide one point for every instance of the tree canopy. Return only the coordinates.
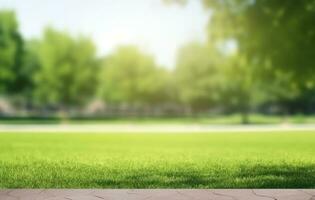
(198, 75)
(276, 36)
(67, 72)
(131, 77)
(11, 53)
(257, 53)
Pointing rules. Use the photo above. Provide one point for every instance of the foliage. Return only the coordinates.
(130, 77)
(272, 64)
(199, 76)
(67, 72)
(11, 54)
(276, 36)
(30, 66)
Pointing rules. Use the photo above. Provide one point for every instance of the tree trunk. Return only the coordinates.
(245, 108)
(245, 117)
(63, 114)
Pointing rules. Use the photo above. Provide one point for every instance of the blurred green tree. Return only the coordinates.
(198, 76)
(67, 70)
(276, 37)
(11, 54)
(30, 66)
(132, 78)
(241, 91)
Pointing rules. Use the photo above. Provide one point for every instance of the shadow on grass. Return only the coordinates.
(250, 177)
(279, 176)
(260, 176)
(253, 176)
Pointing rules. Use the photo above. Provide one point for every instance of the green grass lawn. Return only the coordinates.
(223, 160)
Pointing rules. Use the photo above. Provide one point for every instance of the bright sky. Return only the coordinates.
(157, 28)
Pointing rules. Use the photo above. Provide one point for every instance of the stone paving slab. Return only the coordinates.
(157, 194)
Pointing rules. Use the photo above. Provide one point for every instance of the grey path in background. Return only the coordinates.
(157, 194)
(154, 128)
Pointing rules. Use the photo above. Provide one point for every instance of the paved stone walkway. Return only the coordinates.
(156, 194)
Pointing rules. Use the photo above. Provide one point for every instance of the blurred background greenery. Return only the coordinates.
(258, 59)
